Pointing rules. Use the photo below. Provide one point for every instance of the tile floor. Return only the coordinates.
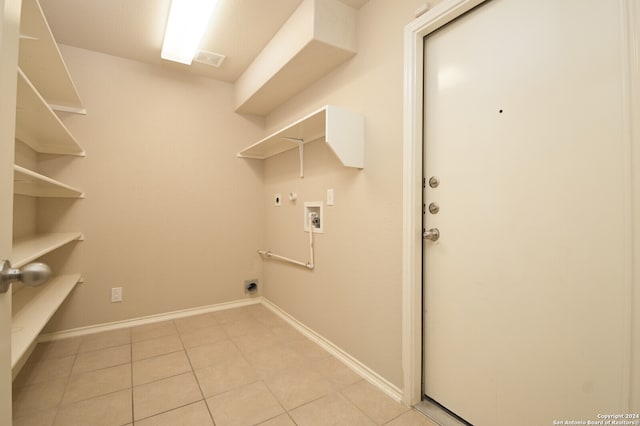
(242, 366)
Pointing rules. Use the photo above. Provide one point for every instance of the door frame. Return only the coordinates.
(412, 243)
(9, 30)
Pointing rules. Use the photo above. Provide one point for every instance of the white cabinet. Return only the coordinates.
(44, 85)
(341, 129)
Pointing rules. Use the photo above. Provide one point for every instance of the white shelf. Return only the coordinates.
(316, 39)
(28, 249)
(44, 85)
(41, 60)
(341, 129)
(32, 309)
(27, 182)
(38, 126)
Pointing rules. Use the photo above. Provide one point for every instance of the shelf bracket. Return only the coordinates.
(300, 143)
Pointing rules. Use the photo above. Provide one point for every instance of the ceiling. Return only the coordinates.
(130, 29)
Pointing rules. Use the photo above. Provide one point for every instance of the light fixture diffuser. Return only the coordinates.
(187, 22)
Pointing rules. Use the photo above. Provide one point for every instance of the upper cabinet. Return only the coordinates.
(319, 36)
(41, 61)
(342, 130)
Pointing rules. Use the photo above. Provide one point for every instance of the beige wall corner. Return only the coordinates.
(354, 296)
(170, 212)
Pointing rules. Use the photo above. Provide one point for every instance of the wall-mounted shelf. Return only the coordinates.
(28, 249)
(317, 37)
(38, 126)
(32, 308)
(41, 60)
(43, 85)
(27, 182)
(341, 129)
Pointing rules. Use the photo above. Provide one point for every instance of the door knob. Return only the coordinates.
(431, 234)
(31, 275)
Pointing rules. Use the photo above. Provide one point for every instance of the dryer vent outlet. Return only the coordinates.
(251, 286)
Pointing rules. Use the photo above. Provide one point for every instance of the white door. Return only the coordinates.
(9, 19)
(525, 320)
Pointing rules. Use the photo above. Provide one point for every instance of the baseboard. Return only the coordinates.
(358, 367)
(134, 322)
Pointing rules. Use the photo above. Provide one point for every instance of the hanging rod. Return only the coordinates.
(310, 264)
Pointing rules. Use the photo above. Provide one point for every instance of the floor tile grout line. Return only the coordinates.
(158, 355)
(398, 416)
(193, 371)
(66, 379)
(159, 413)
(180, 334)
(66, 385)
(284, 409)
(354, 404)
(93, 397)
(15, 386)
(308, 402)
(89, 336)
(98, 369)
(285, 412)
(291, 418)
(163, 378)
(151, 325)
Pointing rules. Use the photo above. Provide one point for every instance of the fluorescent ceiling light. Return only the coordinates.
(187, 22)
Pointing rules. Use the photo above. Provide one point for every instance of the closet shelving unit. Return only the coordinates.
(28, 182)
(27, 250)
(38, 126)
(40, 59)
(44, 85)
(342, 130)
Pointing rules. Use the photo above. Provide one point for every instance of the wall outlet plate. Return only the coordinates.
(116, 294)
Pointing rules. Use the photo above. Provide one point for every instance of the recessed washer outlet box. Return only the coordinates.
(316, 208)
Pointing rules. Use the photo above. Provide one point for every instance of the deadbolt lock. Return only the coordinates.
(434, 181)
(434, 208)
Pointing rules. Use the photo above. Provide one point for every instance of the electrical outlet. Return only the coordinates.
(116, 294)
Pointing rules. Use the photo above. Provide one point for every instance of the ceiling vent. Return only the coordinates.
(209, 58)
